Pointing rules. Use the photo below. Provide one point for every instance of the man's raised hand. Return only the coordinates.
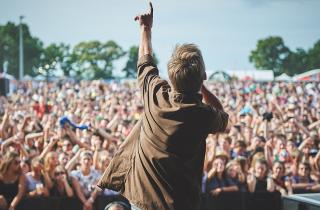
(146, 19)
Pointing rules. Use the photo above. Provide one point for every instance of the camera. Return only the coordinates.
(267, 116)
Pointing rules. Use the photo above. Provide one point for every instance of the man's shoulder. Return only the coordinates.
(147, 69)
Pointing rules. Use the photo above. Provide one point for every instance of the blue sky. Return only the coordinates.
(225, 30)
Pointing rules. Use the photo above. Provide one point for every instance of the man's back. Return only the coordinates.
(168, 158)
(159, 166)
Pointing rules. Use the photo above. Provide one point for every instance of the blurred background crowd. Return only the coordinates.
(56, 139)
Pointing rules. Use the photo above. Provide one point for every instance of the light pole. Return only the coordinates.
(6, 62)
(21, 70)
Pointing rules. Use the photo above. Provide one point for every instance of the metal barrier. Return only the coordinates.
(64, 203)
(225, 201)
(242, 201)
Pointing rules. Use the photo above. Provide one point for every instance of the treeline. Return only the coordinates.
(95, 59)
(86, 60)
(272, 53)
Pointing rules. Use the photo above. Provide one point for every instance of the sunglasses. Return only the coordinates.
(59, 173)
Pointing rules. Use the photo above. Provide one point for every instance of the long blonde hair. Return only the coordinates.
(48, 160)
(6, 162)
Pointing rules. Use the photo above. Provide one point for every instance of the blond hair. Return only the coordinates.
(186, 69)
(48, 161)
(7, 161)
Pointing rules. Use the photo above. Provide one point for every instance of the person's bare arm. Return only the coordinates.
(25, 122)
(230, 189)
(49, 147)
(4, 123)
(74, 139)
(106, 135)
(94, 195)
(304, 143)
(33, 136)
(302, 185)
(251, 182)
(47, 180)
(268, 152)
(68, 188)
(21, 192)
(316, 161)
(302, 127)
(313, 125)
(278, 109)
(23, 151)
(77, 188)
(145, 22)
(114, 122)
(315, 188)
(72, 162)
(7, 142)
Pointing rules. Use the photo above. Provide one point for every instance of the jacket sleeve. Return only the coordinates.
(218, 120)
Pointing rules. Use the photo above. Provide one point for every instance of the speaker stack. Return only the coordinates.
(4, 86)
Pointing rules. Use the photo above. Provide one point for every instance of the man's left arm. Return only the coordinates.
(148, 73)
(145, 22)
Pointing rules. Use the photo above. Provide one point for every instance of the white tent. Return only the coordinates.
(284, 77)
(312, 75)
(27, 78)
(257, 75)
(40, 78)
(219, 76)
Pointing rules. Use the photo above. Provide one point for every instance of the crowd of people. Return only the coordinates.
(56, 139)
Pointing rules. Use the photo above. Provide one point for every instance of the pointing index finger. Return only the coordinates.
(151, 8)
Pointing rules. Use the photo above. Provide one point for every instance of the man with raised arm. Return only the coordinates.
(160, 164)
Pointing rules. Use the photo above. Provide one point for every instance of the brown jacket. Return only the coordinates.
(160, 164)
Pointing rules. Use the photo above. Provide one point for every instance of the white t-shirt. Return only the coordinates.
(88, 182)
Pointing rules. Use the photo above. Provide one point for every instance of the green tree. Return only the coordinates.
(131, 66)
(59, 53)
(270, 54)
(314, 56)
(94, 60)
(9, 49)
(296, 62)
